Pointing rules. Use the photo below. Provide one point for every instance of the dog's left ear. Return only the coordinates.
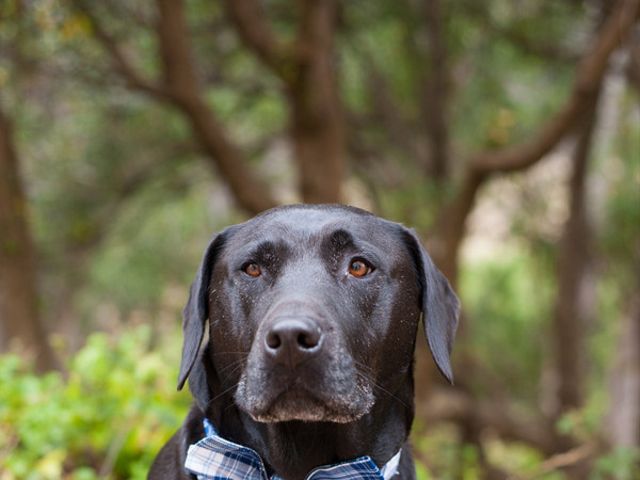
(196, 312)
(440, 305)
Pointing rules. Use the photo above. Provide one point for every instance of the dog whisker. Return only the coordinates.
(233, 366)
(224, 392)
(379, 387)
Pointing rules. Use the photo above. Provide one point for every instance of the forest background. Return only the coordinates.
(507, 132)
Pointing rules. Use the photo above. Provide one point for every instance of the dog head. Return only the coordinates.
(312, 313)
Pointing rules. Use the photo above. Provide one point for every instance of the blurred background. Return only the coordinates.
(507, 132)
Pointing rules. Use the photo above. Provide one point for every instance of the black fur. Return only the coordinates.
(350, 395)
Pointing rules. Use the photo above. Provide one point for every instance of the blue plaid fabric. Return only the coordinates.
(215, 458)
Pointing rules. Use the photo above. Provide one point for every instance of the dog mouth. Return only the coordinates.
(297, 402)
(297, 405)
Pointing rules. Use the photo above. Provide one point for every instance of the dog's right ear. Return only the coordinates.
(440, 305)
(196, 312)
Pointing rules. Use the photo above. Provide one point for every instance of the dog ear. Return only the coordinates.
(440, 306)
(196, 312)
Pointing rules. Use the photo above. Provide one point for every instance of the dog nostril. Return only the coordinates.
(273, 340)
(308, 340)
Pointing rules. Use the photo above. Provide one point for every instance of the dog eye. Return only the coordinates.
(252, 269)
(359, 268)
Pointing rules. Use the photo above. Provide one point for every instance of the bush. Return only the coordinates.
(107, 418)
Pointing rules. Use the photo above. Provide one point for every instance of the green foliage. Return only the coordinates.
(622, 220)
(155, 243)
(413, 205)
(107, 418)
(620, 464)
(439, 453)
(510, 306)
(520, 459)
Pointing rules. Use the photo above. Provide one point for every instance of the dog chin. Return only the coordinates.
(293, 406)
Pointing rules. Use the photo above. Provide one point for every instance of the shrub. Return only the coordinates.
(107, 418)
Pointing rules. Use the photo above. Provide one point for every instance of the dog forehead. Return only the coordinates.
(310, 224)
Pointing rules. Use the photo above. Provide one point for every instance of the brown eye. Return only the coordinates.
(359, 268)
(252, 269)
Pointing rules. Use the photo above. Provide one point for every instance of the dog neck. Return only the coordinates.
(292, 449)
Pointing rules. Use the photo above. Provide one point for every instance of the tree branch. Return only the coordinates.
(564, 460)
(118, 58)
(539, 47)
(181, 88)
(186, 93)
(456, 406)
(589, 74)
(179, 72)
(590, 71)
(249, 20)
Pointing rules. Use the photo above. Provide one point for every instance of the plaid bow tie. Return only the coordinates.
(215, 458)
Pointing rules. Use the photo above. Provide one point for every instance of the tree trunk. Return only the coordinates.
(306, 67)
(436, 92)
(623, 425)
(452, 221)
(575, 293)
(19, 317)
(317, 121)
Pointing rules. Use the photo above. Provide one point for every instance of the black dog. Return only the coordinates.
(312, 313)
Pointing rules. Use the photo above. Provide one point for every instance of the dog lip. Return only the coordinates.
(297, 401)
(303, 405)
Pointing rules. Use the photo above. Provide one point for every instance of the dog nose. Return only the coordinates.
(291, 341)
